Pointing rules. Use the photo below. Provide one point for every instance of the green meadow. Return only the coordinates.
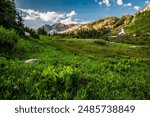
(71, 68)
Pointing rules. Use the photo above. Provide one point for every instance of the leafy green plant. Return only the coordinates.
(8, 39)
(75, 69)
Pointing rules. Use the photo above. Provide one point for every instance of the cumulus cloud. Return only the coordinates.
(71, 14)
(127, 5)
(68, 21)
(100, 3)
(44, 16)
(66, 18)
(85, 22)
(137, 8)
(107, 3)
(120, 2)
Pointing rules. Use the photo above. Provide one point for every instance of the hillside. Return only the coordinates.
(133, 24)
(141, 24)
(97, 25)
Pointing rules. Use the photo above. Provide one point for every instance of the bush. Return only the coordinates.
(3, 63)
(101, 42)
(8, 39)
(138, 40)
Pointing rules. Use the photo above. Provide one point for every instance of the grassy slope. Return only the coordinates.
(76, 69)
(141, 24)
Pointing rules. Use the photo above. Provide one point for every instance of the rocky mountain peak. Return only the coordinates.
(57, 27)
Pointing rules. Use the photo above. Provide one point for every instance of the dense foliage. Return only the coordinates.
(137, 40)
(9, 17)
(8, 39)
(32, 32)
(11, 44)
(41, 31)
(76, 69)
(95, 34)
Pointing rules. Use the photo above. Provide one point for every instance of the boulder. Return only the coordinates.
(132, 47)
(29, 61)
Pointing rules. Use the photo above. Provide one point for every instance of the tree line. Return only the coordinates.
(94, 34)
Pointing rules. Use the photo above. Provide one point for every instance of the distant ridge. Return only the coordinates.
(56, 28)
(131, 24)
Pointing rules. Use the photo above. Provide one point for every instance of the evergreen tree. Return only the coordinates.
(19, 24)
(41, 31)
(7, 13)
(9, 17)
(32, 32)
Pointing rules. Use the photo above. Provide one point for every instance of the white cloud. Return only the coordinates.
(120, 2)
(137, 8)
(44, 16)
(71, 14)
(66, 18)
(68, 21)
(32, 14)
(51, 16)
(107, 3)
(100, 3)
(127, 5)
(85, 22)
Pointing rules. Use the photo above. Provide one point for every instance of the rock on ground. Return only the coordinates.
(31, 61)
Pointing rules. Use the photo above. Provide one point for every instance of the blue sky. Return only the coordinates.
(39, 12)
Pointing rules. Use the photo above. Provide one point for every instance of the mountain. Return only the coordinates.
(56, 28)
(46, 27)
(141, 22)
(129, 24)
(97, 25)
(61, 27)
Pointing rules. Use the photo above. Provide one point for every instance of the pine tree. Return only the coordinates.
(7, 13)
(41, 31)
(19, 24)
(9, 17)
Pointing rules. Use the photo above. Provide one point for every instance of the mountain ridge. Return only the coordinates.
(110, 23)
(56, 28)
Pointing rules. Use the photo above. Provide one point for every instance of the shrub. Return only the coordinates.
(8, 39)
(101, 42)
(3, 63)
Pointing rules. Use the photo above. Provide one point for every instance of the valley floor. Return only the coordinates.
(76, 69)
